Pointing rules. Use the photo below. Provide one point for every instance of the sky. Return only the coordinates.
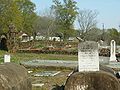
(109, 10)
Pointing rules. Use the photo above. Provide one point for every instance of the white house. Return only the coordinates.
(54, 38)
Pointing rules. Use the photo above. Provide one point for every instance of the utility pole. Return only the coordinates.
(103, 34)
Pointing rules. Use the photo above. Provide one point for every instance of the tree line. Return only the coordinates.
(17, 16)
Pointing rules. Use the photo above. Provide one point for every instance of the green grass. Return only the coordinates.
(17, 57)
(2, 55)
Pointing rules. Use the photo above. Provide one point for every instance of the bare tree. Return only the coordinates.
(87, 21)
(49, 14)
(45, 24)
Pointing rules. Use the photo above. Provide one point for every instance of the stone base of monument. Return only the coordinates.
(92, 81)
(14, 77)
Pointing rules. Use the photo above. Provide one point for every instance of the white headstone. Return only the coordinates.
(6, 58)
(113, 51)
(88, 58)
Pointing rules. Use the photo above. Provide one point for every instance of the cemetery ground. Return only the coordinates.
(17, 57)
(49, 82)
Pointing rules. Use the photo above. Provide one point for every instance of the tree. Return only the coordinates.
(16, 16)
(65, 15)
(94, 34)
(87, 21)
(29, 16)
(10, 22)
(112, 34)
(45, 23)
(27, 9)
(9, 14)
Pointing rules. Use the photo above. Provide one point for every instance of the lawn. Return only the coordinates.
(17, 57)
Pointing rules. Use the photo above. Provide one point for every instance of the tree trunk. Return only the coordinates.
(12, 44)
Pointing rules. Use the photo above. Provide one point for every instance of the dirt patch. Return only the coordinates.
(50, 82)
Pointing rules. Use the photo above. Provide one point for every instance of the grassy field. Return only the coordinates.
(17, 57)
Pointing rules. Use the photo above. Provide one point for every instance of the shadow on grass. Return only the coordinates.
(57, 87)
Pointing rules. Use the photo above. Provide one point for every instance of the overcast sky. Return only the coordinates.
(109, 10)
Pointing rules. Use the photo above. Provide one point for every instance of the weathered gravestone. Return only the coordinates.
(92, 81)
(88, 59)
(113, 51)
(6, 58)
(88, 76)
(14, 77)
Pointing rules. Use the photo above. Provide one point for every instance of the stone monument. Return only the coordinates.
(113, 51)
(88, 76)
(14, 77)
(88, 58)
(92, 81)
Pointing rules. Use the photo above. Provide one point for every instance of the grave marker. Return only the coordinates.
(88, 58)
(113, 51)
(6, 58)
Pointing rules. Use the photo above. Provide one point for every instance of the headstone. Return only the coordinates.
(14, 77)
(6, 58)
(113, 51)
(88, 58)
(92, 81)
